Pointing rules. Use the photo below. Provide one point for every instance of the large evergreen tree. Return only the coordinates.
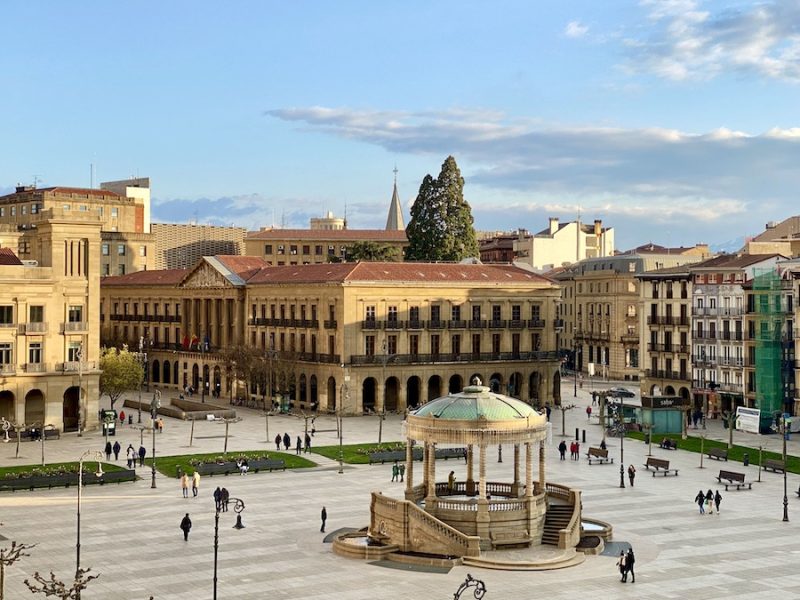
(441, 226)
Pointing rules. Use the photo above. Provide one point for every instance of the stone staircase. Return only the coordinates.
(556, 519)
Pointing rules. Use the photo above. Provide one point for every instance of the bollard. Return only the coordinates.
(583, 437)
(576, 434)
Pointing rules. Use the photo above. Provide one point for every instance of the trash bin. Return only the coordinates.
(130, 419)
(746, 459)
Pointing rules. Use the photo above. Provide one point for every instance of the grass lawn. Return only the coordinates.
(55, 469)
(356, 454)
(168, 465)
(736, 454)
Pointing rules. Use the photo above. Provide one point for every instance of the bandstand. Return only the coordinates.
(462, 518)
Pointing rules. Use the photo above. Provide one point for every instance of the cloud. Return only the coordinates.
(683, 42)
(575, 29)
(708, 182)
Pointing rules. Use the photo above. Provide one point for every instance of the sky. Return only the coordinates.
(673, 121)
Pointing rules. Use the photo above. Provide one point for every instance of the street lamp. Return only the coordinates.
(98, 456)
(619, 414)
(339, 417)
(81, 408)
(155, 404)
(786, 422)
(238, 507)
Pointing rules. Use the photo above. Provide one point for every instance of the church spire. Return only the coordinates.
(394, 221)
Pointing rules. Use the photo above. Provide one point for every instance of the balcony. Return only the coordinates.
(671, 375)
(74, 366)
(464, 357)
(731, 312)
(7, 369)
(497, 324)
(516, 324)
(76, 327)
(33, 328)
(370, 324)
(36, 367)
(437, 324)
(329, 323)
(457, 324)
(705, 335)
(416, 324)
(704, 311)
(730, 361)
(477, 324)
(393, 324)
(536, 323)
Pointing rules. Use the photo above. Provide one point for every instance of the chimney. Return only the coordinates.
(598, 226)
(553, 225)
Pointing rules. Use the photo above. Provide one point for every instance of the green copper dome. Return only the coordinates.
(476, 402)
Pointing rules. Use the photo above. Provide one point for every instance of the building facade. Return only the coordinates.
(564, 243)
(355, 337)
(180, 246)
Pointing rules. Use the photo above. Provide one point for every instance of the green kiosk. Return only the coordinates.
(664, 414)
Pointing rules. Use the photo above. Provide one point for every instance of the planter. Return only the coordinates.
(66, 480)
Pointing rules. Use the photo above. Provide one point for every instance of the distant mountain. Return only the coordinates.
(729, 247)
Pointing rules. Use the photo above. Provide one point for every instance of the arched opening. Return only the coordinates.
(314, 392)
(496, 383)
(303, 388)
(391, 394)
(331, 394)
(653, 389)
(155, 375)
(167, 374)
(515, 385)
(217, 381)
(7, 406)
(206, 380)
(196, 377)
(34, 407)
(669, 391)
(368, 389)
(413, 391)
(434, 387)
(684, 393)
(557, 388)
(474, 378)
(533, 388)
(70, 409)
(456, 384)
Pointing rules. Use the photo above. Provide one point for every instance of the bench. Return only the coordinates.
(732, 479)
(446, 453)
(385, 456)
(718, 453)
(599, 455)
(253, 466)
(509, 538)
(660, 466)
(776, 466)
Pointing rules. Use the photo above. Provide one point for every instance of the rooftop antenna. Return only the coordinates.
(36, 180)
(91, 176)
(345, 214)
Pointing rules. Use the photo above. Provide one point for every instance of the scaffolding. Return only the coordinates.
(769, 327)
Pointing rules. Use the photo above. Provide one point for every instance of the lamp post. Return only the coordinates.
(339, 417)
(784, 430)
(142, 357)
(269, 355)
(155, 404)
(620, 418)
(81, 409)
(98, 456)
(382, 414)
(575, 360)
(238, 507)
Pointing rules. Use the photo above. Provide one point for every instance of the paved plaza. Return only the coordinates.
(130, 532)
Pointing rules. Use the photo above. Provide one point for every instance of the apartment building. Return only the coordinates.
(564, 243)
(181, 245)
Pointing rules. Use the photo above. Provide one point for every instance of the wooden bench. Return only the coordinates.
(385, 456)
(718, 453)
(776, 466)
(253, 466)
(732, 479)
(446, 453)
(509, 538)
(660, 466)
(599, 455)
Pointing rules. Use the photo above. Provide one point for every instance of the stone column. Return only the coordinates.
(528, 470)
(515, 485)
(380, 391)
(203, 321)
(470, 470)
(409, 468)
(482, 472)
(482, 519)
(541, 465)
(223, 338)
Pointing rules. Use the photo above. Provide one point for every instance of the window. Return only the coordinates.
(435, 344)
(120, 269)
(392, 316)
(105, 249)
(14, 210)
(267, 248)
(2, 211)
(34, 208)
(369, 345)
(331, 251)
(36, 314)
(24, 247)
(391, 344)
(5, 354)
(455, 313)
(281, 249)
(75, 314)
(476, 343)
(142, 250)
(24, 209)
(293, 249)
(106, 270)
(74, 352)
(413, 313)
(496, 343)
(476, 312)
(6, 315)
(306, 250)
(35, 353)
(436, 313)
(413, 344)
(516, 312)
(318, 250)
(455, 342)
(496, 312)
(120, 249)
(369, 313)
(114, 212)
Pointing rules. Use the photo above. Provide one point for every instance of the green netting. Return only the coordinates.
(768, 323)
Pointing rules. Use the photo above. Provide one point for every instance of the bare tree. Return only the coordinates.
(55, 587)
(8, 556)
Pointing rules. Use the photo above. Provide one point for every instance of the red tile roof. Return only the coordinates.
(346, 235)
(169, 277)
(244, 266)
(7, 257)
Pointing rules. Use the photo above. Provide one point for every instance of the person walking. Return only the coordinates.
(577, 450)
(117, 449)
(621, 565)
(142, 453)
(451, 482)
(278, 442)
(710, 502)
(218, 498)
(308, 442)
(131, 456)
(631, 473)
(224, 498)
(395, 471)
(324, 516)
(298, 447)
(108, 450)
(700, 499)
(160, 425)
(195, 483)
(717, 500)
(287, 441)
(402, 468)
(186, 526)
(185, 485)
(562, 450)
(572, 450)
(122, 417)
(588, 413)
(630, 560)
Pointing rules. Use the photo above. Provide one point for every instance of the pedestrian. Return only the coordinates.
(548, 410)
(571, 450)
(631, 473)
(308, 442)
(224, 497)
(562, 449)
(402, 471)
(142, 453)
(588, 413)
(621, 565)
(160, 425)
(122, 417)
(324, 516)
(186, 525)
(131, 456)
(117, 450)
(195, 483)
(278, 442)
(603, 445)
(108, 450)
(451, 482)
(630, 560)
(298, 447)
(217, 498)
(395, 471)
(185, 485)
(577, 450)
(717, 500)
(287, 441)
(594, 398)
(710, 502)
(700, 499)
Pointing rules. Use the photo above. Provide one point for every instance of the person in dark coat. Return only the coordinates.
(117, 450)
(717, 500)
(278, 442)
(186, 526)
(700, 499)
(562, 449)
(287, 441)
(142, 453)
(623, 569)
(308, 442)
(298, 447)
(630, 560)
(108, 450)
(631, 473)
(710, 502)
(224, 497)
(218, 498)
(324, 516)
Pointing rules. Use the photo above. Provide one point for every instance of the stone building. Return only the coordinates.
(181, 245)
(49, 326)
(382, 336)
(564, 243)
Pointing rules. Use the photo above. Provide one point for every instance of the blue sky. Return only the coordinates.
(674, 121)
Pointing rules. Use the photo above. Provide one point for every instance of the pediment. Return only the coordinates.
(205, 276)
